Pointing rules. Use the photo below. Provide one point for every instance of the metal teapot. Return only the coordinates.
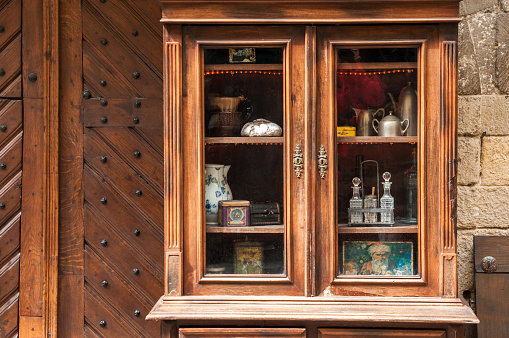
(390, 125)
(365, 121)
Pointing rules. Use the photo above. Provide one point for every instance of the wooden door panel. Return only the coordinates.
(100, 78)
(11, 117)
(135, 32)
(119, 292)
(9, 317)
(148, 240)
(9, 239)
(10, 196)
(103, 317)
(127, 143)
(122, 113)
(10, 157)
(130, 184)
(10, 49)
(9, 278)
(112, 50)
(491, 286)
(117, 253)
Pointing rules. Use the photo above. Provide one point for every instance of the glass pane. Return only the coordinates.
(377, 114)
(244, 182)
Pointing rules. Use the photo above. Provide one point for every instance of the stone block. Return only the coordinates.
(468, 7)
(469, 160)
(494, 117)
(505, 5)
(465, 245)
(468, 71)
(495, 161)
(481, 28)
(502, 54)
(469, 115)
(483, 207)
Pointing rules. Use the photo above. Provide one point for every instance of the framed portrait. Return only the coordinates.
(378, 258)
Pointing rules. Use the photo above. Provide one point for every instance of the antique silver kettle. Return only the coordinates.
(365, 120)
(407, 108)
(390, 125)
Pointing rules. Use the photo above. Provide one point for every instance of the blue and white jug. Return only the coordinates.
(216, 189)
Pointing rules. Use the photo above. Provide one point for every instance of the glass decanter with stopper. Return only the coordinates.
(387, 201)
(355, 217)
(411, 191)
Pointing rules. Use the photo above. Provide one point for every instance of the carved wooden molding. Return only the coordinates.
(173, 150)
(449, 107)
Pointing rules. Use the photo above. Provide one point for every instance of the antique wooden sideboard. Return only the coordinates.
(360, 172)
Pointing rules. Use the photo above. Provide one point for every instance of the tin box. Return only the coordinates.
(248, 258)
(346, 131)
(234, 213)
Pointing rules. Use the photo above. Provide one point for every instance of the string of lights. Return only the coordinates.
(266, 72)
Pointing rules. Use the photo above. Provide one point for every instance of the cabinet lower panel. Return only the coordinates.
(242, 332)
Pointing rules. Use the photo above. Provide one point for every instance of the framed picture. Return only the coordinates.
(378, 258)
(242, 55)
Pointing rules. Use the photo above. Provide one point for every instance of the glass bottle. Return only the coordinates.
(370, 202)
(355, 203)
(387, 201)
(411, 189)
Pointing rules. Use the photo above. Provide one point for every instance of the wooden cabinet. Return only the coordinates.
(354, 173)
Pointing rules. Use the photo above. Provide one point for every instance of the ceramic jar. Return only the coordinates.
(216, 189)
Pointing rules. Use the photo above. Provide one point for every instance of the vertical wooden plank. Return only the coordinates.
(32, 54)
(71, 232)
(31, 246)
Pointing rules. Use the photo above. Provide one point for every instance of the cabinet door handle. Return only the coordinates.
(322, 162)
(298, 161)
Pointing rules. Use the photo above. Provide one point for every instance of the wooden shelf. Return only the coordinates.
(376, 139)
(377, 65)
(396, 229)
(258, 229)
(245, 140)
(244, 66)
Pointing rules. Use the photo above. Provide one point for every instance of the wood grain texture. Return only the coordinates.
(491, 304)
(31, 275)
(250, 12)
(351, 333)
(495, 246)
(362, 311)
(242, 333)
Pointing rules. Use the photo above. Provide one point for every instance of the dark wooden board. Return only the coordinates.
(495, 246)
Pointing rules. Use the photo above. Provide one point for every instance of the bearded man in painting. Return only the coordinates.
(380, 264)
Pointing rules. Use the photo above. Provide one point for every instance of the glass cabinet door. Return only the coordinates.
(243, 100)
(373, 127)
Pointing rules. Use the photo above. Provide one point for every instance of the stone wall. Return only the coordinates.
(483, 145)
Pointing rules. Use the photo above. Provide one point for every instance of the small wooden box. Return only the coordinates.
(234, 213)
(265, 213)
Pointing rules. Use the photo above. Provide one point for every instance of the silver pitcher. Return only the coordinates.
(407, 108)
(390, 125)
(365, 120)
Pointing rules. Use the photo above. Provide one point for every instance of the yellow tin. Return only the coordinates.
(346, 131)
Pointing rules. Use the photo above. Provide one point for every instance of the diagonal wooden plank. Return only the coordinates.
(9, 317)
(9, 239)
(135, 32)
(97, 311)
(139, 195)
(10, 158)
(10, 18)
(150, 12)
(9, 278)
(149, 162)
(148, 282)
(115, 215)
(11, 117)
(119, 294)
(125, 62)
(100, 78)
(10, 70)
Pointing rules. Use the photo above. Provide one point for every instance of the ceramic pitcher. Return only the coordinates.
(216, 189)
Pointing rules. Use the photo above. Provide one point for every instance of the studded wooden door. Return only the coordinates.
(123, 166)
(11, 138)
